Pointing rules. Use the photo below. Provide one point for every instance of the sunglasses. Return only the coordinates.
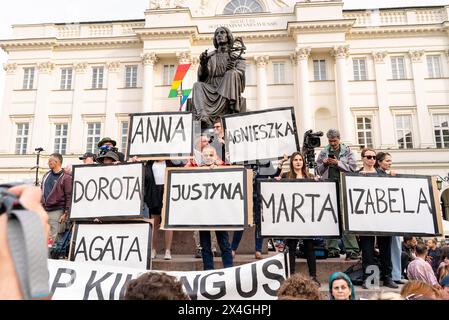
(370, 157)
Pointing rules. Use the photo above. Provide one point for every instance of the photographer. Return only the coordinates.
(106, 145)
(10, 287)
(335, 158)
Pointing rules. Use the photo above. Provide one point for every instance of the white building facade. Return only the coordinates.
(380, 76)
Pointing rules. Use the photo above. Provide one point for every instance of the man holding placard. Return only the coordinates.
(335, 158)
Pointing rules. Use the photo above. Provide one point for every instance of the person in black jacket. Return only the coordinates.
(153, 198)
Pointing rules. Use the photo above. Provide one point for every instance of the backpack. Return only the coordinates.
(355, 273)
(319, 246)
(60, 249)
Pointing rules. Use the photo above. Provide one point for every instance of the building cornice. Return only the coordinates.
(383, 31)
(341, 25)
(166, 33)
(54, 43)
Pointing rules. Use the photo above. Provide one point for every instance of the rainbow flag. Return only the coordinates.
(179, 76)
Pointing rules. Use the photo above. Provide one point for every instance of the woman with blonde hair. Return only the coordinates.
(419, 290)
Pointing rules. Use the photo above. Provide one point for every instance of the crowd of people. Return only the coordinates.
(423, 268)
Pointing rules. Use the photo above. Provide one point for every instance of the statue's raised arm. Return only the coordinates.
(221, 79)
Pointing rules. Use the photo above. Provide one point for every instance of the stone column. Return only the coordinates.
(425, 126)
(262, 96)
(111, 125)
(76, 128)
(40, 133)
(387, 140)
(6, 127)
(305, 113)
(345, 118)
(149, 59)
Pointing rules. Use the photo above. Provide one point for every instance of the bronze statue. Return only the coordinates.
(221, 79)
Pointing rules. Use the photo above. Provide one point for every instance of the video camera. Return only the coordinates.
(311, 141)
(104, 149)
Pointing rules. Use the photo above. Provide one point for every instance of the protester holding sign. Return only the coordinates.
(367, 242)
(154, 194)
(210, 159)
(298, 170)
(383, 168)
(335, 158)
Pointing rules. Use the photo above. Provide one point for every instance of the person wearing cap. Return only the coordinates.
(109, 157)
(108, 143)
(88, 158)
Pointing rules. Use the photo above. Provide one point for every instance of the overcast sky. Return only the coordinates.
(38, 11)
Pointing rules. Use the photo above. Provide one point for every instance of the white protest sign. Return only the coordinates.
(206, 199)
(398, 205)
(107, 191)
(125, 245)
(298, 208)
(161, 135)
(87, 281)
(259, 135)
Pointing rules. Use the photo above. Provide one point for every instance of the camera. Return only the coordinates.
(312, 140)
(331, 154)
(105, 149)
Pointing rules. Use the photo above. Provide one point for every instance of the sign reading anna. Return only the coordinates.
(125, 245)
(260, 135)
(161, 135)
(88, 281)
(205, 199)
(299, 208)
(107, 191)
(399, 205)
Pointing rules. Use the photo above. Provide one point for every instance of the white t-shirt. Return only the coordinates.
(159, 172)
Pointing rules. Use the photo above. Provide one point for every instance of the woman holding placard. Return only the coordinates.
(298, 170)
(383, 167)
(367, 243)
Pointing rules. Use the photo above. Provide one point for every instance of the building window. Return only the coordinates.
(22, 138)
(359, 66)
(434, 66)
(61, 138)
(279, 72)
(169, 74)
(131, 77)
(365, 131)
(66, 78)
(404, 131)
(398, 67)
(93, 136)
(97, 77)
(441, 129)
(28, 78)
(243, 6)
(319, 70)
(124, 136)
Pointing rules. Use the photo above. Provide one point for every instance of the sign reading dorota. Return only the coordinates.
(298, 208)
(399, 205)
(207, 199)
(161, 135)
(107, 191)
(260, 135)
(125, 244)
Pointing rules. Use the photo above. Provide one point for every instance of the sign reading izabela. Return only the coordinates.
(122, 245)
(107, 191)
(259, 280)
(207, 199)
(299, 208)
(400, 205)
(161, 135)
(260, 135)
